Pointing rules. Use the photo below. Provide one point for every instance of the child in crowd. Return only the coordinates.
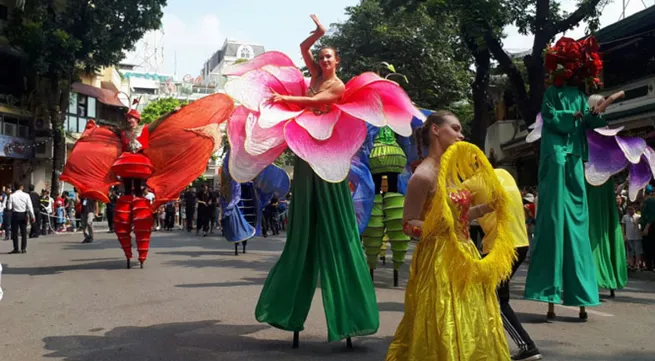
(632, 235)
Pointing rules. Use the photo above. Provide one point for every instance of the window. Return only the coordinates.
(80, 109)
(245, 52)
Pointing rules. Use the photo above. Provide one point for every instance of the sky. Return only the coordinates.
(194, 29)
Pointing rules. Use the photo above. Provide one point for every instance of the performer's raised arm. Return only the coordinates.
(306, 46)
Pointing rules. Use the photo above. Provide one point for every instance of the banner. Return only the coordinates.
(12, 147)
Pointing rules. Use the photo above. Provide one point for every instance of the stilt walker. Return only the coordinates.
(323, 121)
(165, 155)
(562, 260)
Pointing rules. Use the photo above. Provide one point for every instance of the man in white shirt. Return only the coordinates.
(632, 235)
(20, 204)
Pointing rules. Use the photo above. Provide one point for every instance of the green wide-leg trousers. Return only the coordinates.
(322, 239)
(562, 262)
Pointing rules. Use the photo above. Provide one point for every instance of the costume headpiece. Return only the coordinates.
(134, 114)
(574, 62)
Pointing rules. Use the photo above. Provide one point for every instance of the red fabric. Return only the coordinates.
(143, 221)
(574, 62)
(179, 152)
(133, 165)
(143, 139)
(89, 166)
(134, 114)
(123, 224)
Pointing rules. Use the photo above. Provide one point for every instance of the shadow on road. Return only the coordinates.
(242, 261)
(118, 263)
(203, 341)
(243, 282)
(391, 307)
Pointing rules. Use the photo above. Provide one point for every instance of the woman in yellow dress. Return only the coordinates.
(451, 308)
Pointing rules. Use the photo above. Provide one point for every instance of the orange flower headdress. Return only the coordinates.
(574, 62)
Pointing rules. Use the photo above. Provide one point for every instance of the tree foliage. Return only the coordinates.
(159, 108)
(426, 50)
(486, 19)
(63, 37)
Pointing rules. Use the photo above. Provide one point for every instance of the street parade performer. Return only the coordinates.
(323, 122)
(451, 307)
(165, 155)
(609, 155)
(562, 259)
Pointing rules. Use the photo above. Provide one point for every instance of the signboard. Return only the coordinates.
(12, 147)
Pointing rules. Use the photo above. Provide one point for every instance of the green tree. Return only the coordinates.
(485, 21)
(160, 107)
(63, 37)
(426, 49)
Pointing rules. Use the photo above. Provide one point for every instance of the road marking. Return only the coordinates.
(598, 313)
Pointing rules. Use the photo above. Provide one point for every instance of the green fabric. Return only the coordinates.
(374, 233)
(561, 133)
(387, 156)
(606, 237)
(322, 239)
(393, 215)
(562, 260)
(385, 136)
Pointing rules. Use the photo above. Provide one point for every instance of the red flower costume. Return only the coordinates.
(167, 155)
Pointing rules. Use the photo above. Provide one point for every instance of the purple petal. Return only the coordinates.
(605, 159)
(640, 175)
(649, 154)
(632, 148)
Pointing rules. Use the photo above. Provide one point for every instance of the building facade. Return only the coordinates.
(231, 51)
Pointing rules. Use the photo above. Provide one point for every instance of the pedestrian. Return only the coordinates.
(632, 235)
(169, 221)
(111, 206)
(89, 212)
(190, 207)
(46, 212)
(20, 204)
(6, 216)
(36, 206)
(69, 205)
(204, 209)
(519, 234)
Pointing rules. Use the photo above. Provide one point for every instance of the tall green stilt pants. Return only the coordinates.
(393, 219)
(374, 233)
(323, 239)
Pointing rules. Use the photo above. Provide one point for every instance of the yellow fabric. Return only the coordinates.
(481, 195)
(451, 308)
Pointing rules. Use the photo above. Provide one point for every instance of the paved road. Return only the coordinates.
(195, 300)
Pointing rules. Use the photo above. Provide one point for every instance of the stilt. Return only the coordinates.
(372, 274)
(583, 313)
(141, 265)
(296, 341)
(612, 294)
(349, 343)
(236, 249)
(245, 243)
(551, 311)
(384, 260)
(395, 278)
(129, 264)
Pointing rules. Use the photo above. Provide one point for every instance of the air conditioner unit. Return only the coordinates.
(41, 124)
(43, 148)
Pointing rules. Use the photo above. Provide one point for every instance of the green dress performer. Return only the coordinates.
(606, 237)
(562, 260)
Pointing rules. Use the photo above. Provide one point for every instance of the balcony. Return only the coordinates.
(637, 109)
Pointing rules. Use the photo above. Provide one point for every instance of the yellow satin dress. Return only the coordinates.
(451, 308)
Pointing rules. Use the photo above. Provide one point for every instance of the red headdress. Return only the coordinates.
(134, 114)
(574, 62)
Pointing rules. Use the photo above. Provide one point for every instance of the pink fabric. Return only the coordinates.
(259, 131)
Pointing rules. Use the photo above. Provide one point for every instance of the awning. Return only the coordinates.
(104, 96)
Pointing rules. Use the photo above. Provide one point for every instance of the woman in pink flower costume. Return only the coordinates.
(322, 121)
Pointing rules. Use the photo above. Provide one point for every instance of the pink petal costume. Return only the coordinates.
(323, 236)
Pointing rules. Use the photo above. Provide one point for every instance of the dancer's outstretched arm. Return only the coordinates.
(306, 48)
